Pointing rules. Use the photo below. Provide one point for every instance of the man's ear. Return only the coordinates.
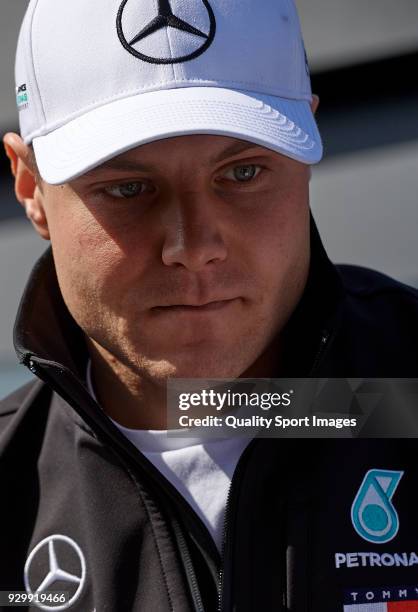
(314, 103)
(27, 188)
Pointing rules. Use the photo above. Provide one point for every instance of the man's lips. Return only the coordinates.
(190, 308)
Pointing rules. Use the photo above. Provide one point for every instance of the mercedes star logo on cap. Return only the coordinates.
(52, 571)
(198, 40)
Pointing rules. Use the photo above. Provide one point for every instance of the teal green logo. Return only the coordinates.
(372, 513)
(22, 97)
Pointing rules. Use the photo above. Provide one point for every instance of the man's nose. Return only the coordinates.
(193, 233)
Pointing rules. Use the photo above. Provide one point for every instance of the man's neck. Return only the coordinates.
(131, 400)
(135, 401)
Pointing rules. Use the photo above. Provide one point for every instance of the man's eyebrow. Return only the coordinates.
(122, 164)
(234, 149)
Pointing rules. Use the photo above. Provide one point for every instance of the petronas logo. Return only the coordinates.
(373, 515)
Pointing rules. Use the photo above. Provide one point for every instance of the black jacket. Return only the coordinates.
(290, 542)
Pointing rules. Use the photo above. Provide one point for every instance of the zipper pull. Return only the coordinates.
(323, 342)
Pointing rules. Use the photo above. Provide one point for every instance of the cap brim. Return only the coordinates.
(283, 125)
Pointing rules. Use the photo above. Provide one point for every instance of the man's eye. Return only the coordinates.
(243, 174)
(126, 190)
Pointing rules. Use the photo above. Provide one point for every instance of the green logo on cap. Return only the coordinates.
(22, 97)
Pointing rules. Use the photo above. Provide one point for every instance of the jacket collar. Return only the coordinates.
(44, 329)
(46, 334)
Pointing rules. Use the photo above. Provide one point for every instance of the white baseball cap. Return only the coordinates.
(95, 78)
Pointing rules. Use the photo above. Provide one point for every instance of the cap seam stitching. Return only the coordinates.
(125, 94)
(210, 81)
(52, 127)
(291, 142)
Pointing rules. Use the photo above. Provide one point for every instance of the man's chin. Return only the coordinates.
(162, 370)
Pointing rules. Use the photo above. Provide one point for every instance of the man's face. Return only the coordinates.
(183, 257)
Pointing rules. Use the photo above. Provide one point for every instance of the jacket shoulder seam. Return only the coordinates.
(365, 293)
(381, 284)
(33, 388)
(8, 412)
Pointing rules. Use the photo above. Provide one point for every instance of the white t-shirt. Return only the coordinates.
(200, 469)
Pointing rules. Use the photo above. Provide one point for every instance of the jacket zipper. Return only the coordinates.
(236, 475)
(188, 565)
(319, 354)
(224, 534)
(323, 343)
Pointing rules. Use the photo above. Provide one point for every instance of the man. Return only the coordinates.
(165, 152)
